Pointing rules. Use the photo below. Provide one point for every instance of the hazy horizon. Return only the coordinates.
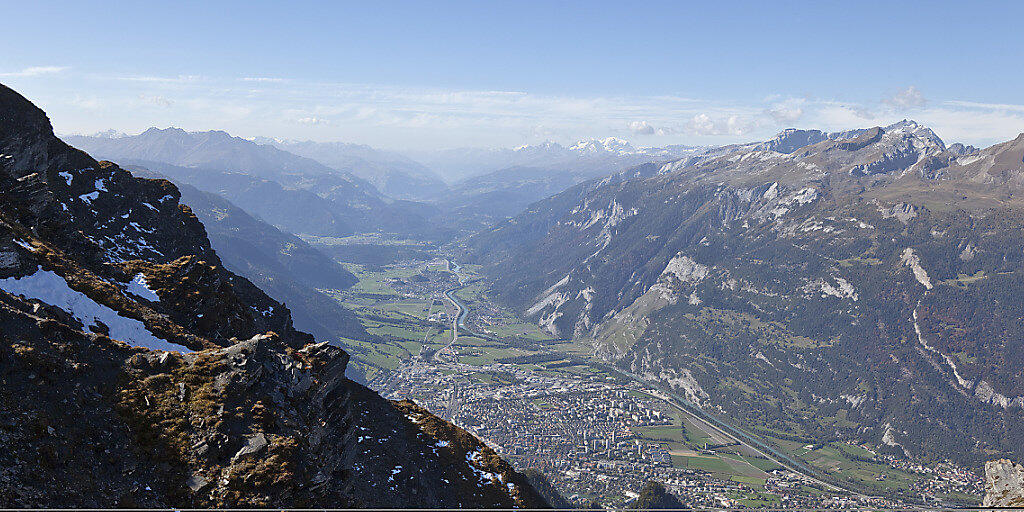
(409, 76)
(262, 139)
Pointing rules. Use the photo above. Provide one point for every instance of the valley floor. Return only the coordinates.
(595, 432)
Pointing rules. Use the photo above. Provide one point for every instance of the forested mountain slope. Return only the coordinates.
(856, 285)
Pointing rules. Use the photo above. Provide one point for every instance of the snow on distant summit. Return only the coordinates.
(594, 157)
(606, 145)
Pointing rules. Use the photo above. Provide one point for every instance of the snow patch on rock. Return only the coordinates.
(51, 288)
(139, 286)
(475, 458)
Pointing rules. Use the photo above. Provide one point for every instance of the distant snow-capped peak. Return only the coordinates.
(605, 145)
(543, 146)
(917, 130)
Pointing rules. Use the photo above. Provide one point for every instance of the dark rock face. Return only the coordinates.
(91, 421)
(269, 427)
(65, 443)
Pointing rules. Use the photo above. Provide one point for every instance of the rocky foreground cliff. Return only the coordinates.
(136, 371)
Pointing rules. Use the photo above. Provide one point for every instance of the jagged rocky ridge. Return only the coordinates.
(868, 278)
(96, 265)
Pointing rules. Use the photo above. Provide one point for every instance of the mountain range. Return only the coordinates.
(857, 285)
(391, 173)
(339, 189)
(294, 193)
(595, 157)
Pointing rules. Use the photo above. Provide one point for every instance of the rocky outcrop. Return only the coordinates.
(1004, 484)
(136, 371)
(99, 228)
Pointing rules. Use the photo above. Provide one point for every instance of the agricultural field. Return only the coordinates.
(402, 305)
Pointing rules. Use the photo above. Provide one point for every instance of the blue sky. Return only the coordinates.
(449, 74)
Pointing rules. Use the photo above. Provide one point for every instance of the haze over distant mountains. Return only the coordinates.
(294, 193)
(355, 188)
(591, 157)
(393, 174)
(213, 149)
(383, 168)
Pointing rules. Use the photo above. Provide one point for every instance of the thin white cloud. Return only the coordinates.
(159, 79)
(313, 120)
(641, 128)
(786, 112)
(35, 71)
(986, 106)
(159, 101)
(706, 125)
(423, 117)
(785, 115)
(907, 98)
(86, 103)
(264, 79)
(974, 127)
